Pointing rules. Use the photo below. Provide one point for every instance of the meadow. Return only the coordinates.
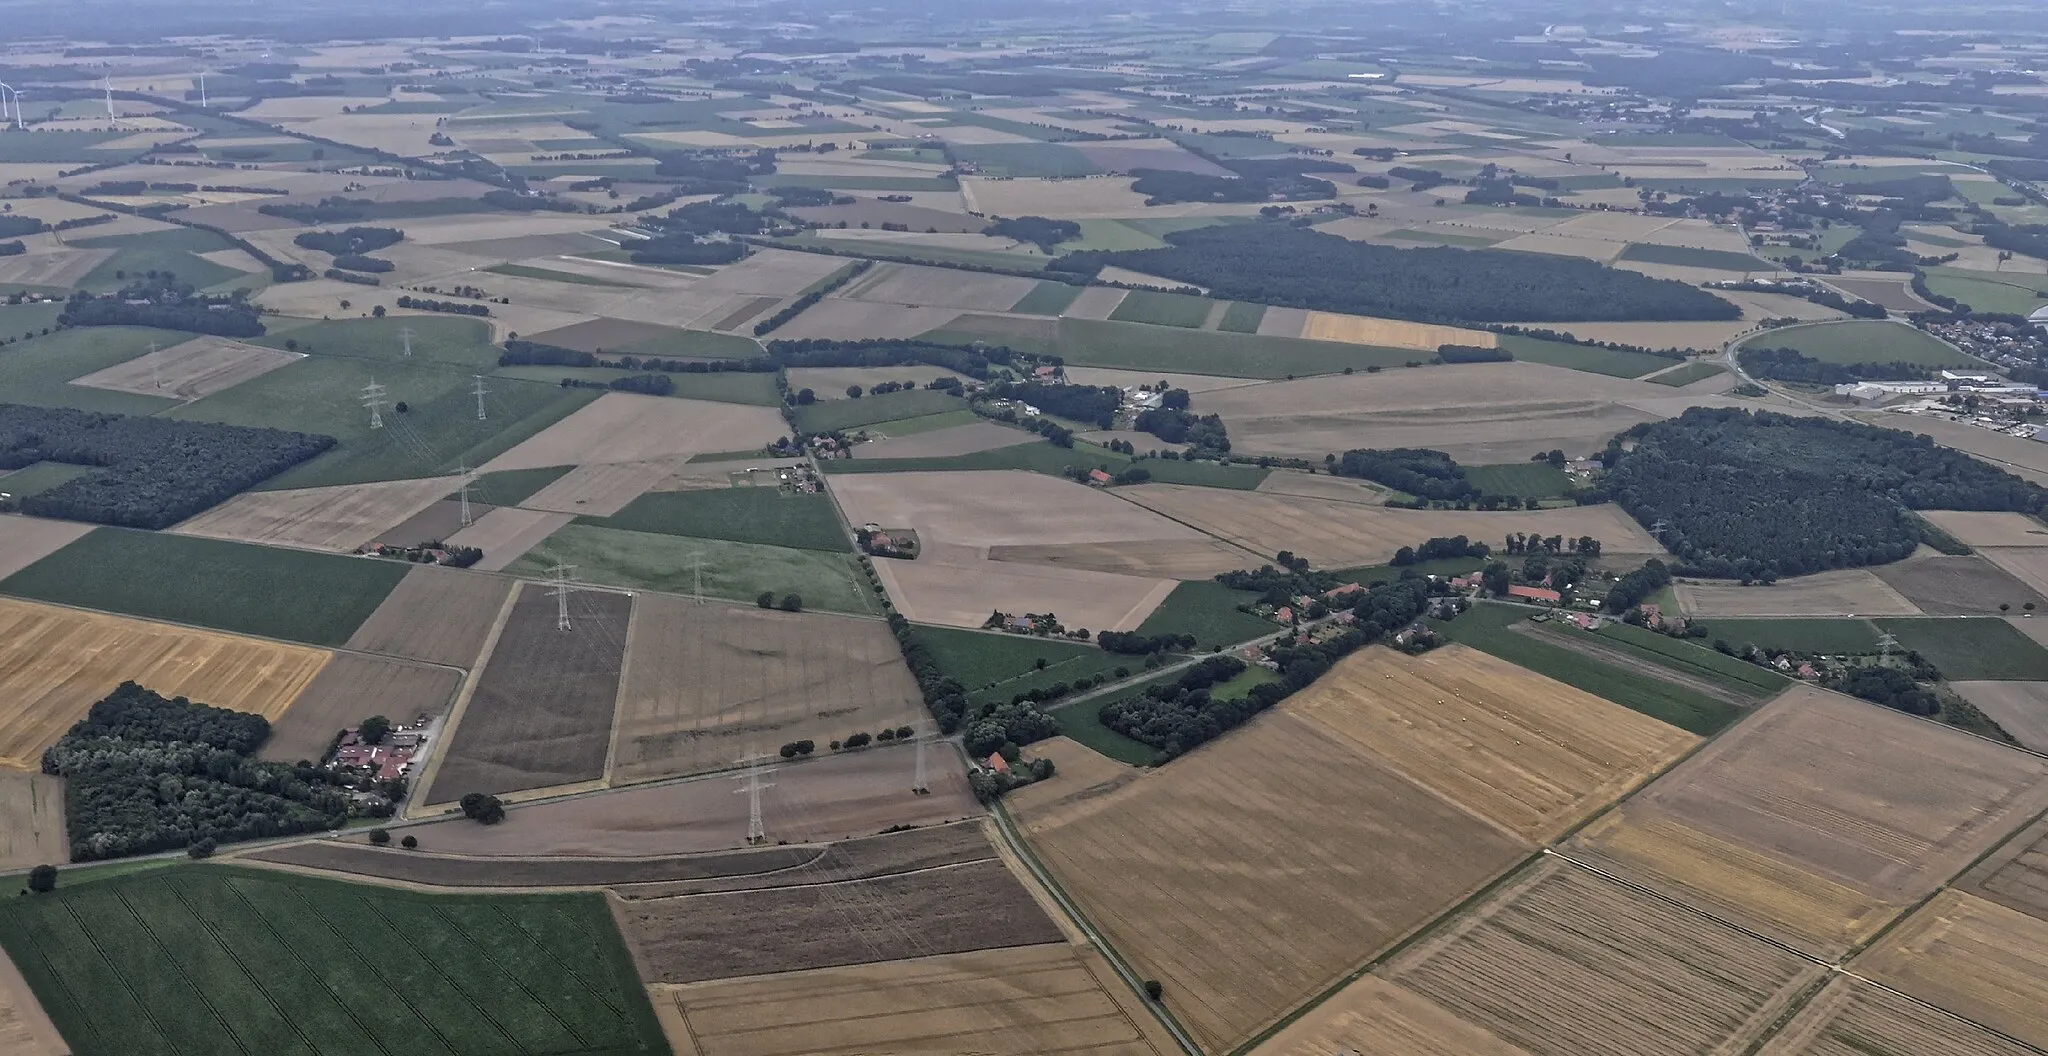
(1524, 480)
(834, 415)
(764, 515)
(733, 571)
(37, 371)
(1864, 341)
(1208, 610)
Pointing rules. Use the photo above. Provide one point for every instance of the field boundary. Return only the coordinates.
(432, 772)
(611, 748)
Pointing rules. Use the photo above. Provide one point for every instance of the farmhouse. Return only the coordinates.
(1536, 594)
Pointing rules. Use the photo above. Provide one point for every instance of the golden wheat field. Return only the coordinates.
(1391, 333)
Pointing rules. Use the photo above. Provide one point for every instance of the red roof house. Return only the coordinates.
(1096, 476)
(1548, 597)
(997, 763)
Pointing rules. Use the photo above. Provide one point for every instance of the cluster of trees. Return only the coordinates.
(1815, 292)
(350, 240)
(158, 299)
(12, 249)
(1203, 432)
(645, 384)
(788, 602)
(1280, 264)
(1790, 364)
(1439, 547)
(1037, 230)
(482, 808)
(331, 210)
(153, 472)
(1888, 686)
(1132, 643)
(1531, 543)
(423, 304)
(359, 262)
(146, 773)
(801, 304)
(1742, 494)
(714, 173)
(16, 226)
(977, 362)
(1419, 471)
(1093, 404)
(1636, 587)
(1472, 354)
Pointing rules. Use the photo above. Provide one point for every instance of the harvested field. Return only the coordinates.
(771, 273)
(1844, 592)
(1019, 1002)
(1891, 294)
(2020, 708)
(956, 586)
(1318, 486)
(887, 854)
(1000, 507)
(1379, 1017)
(31, 829)
(2015, 875)
(434, 524)
(944, 443)
(199, 367)
(1391, 333)
(1095, 302)
(352, 688)
(27, 540)
(64, 268)
(25, 1029)
(1956, 586)
(605, 334)
(55, 663)
(443, 870)
(626, 427)
(1850, 1017)
(839, 319)
(1347, 534)
(506, 534)
(1080, 772)
(1173, 559)
(1818, 818)
(601, 489)
(708, 684)
(1261, 829)
(1566, 963)
(540, 713)
(1528, 754)
(1975, 528)
(340, 518)
(1972, 957)
(436, 615)
(1283, 322)
(909, 285)
(951, 909)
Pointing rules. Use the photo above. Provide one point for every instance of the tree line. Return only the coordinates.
(1790, 364)
(158, 299)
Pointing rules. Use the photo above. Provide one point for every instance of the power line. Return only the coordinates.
(466, 479)
(373, 398)
(697, 570)
(405, 335)
(756, 831)
(560, 591)
(480, 390)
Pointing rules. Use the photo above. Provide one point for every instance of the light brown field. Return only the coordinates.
(27, 540)
(601, 489)
(1391, 333)
(1345, 534)
(939, 443)
(627, 427)
(436, 615)
(1079, 772)
(31, 827)
(1139, 278)
(2021, 708)
(2028, 564)
(187, 371)
(771, 273)
(1564, 246)
(1025, 1001)
(1845, 592)
(350, 689)
(1372, 1017)
(1300, 861)
(1563, 962)
(1964, 585)
(841, 319)
(1124, 379)
(1818, 818)
(1174, 559)
(60, 267)
(343, 517)
(958, 586)
(1097, 302)
(1972, 957)
(55, 663)
(504, 534)
(1322, 486)
(25, 1029)
(1981, 528)
(707, 684)
(909, 284)
(997, 507)
(1529, 754)
(1849, 1017)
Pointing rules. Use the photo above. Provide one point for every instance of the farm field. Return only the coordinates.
(319, 599)
(349, 689)
(761, 514)
(1000, 666)
(31, 830)
(705, 685)
(955, 586)
(1196, 559)
(1991, 529)
(55, 663)
(1844, 592)
(1024, 1001)
(38, 371)
(1528, 480)
(24, 1027)
(1972, 957)
(730, 571)
(27, 540)
(1208, 610)
(1084, 340)
(338, 518)
(835, 415)
(1957, 586)
(1866, 341)
(1818, 853)
(1848, 1013)
(174, 960)
(1817, 635)
(540, 713)
(624, 427)
(189, 370)
(2026, 564)
(985, 508)
(2019, 708)
(437, 615)
(507, 534)
(965, 438)
(1971, 649)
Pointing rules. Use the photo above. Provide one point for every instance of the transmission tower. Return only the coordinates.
(202, 90)
(405, 335)
(466, 481)
(1886, 642)
(756, 832)
(373, 398)
(480, 390)
(1659, 529)
(920, 786)
(561, 594)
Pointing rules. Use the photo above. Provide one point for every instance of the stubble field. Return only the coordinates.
(1846, 592)
(1850, 1017)
(1390, 333)
(1972, 957)
(956, 586)
(625, 427)
(1942, 585)
(436, 615)
(2019, 708)
(352, 688)
(31, 826)
(199, 367)
(338, 518)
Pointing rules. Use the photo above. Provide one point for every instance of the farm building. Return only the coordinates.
(1540, 594)
(2040, 317)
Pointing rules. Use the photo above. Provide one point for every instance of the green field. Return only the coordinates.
(1689, 257)
(733, 386)
(1865, 341)
(513, 486)
(733, 571)
(460, 343)
(764, 515)
(1523, 480)
(1047, 298)
(1162, 309)
(1112, 235)
(1208, 610)
(925, 423)
(1690, 657)
(1043, 457)
(1242, 317)
(1137, 346)
(833, 415)
(1612, 362)
(27, 320)
(298, 595)
(1697, 370)
(1990, 291)
(41, 477)
(885, 184)
(997, 667)
(695, 344)
(44, 146)
(1442, 566)
(1083, 723)
(1486, 628)
(36, 372)
(1988, 649)
(1027, 160)
(205, 960)
(1847, 636)
(176, 251)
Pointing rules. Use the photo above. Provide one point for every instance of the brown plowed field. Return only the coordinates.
(1957, 586)
(2016, 875)
(1972, 957)
(507, 533)
(1378, 1017)
(600, 490)
(1171, 558)
(1818, 818)
(55, 663)
(2020, 708)
(1047, 999)
(627, 427)
(1345, 534)
(435, 524)
(708, 684)
(1301, 859)
(1853, 1018)
(910, 851)
(950, 909)
(199, 367)
(439, 615)
(27, 540)
(1975, 528)
(540, 713)
(352, 688)
(338, 518)
(1846, 592)
(31, 822)
(1565, 963)
(2027, 564)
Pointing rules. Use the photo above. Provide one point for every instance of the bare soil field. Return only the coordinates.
(25, 1029)
(1850, 1017)
(1096, 302)
(434, 524)
(506, 534)
(540, 713)
(1528, 754)
(31, 826)
(841, 319)
(1892, 294)
(199, 367)
(601, 489)
(627, 427)
(1173, 559)
(1028, 1001)
(2015, 875)
(1972, 957)
(1817, 818)
(27, 540)
(941, 443)
(956, 586)
(911, 285)
(1379, 1017)
(352, 688)
(998, 507)
(1843, 592)
(771, 273)
(1975, 528)
(59, 267)
(706, 685)
(1346, 534)
(436, 615)
(2021, 708)
(1391, 333)
(56, 662)
(1957, 586)
(341, 518)
(1563, 962)
(1261, 833)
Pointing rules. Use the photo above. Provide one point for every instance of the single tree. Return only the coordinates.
(374, 729)
(1153, 989)
(380, 837)
(483, 809)
(853, 392)
(2005, 606)
(792, 603)
(42, 879)
(766, 600)
(202, 847)
(378, 311)
(409, 842)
